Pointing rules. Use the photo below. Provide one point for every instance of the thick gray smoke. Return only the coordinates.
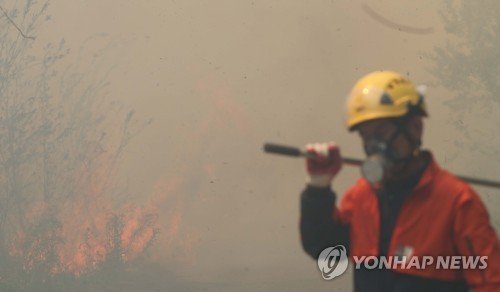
(188, 201)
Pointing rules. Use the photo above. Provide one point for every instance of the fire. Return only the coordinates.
(177, 241)
(138, 232)
(85, 229)
(85, 241)
(81, 233)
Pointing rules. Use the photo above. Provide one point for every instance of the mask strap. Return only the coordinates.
(402, 128)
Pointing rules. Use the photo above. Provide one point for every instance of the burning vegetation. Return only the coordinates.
(63, 210)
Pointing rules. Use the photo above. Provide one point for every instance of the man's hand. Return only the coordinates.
(324, 164)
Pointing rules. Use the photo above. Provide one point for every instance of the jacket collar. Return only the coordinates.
(429, 173)
(431, 170)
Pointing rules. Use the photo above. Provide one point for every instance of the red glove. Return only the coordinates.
(324, 165)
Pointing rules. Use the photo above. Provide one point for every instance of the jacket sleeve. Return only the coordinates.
(474, 236)
(320, 222)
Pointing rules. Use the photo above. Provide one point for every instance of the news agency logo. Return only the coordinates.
(332, 262)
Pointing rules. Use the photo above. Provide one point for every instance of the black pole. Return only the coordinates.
(296, 152)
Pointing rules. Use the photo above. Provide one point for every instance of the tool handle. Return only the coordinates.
(296, 152)
(283, 150)
(480, 181)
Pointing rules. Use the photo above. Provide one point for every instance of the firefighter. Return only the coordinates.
(404, 204)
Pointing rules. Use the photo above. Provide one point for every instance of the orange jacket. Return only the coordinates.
(442, 216)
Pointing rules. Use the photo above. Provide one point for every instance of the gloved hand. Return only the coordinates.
(325, 164)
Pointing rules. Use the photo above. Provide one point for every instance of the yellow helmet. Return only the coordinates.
(383, 94)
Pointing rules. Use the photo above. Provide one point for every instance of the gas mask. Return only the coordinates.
(376, 162)
(381, 157)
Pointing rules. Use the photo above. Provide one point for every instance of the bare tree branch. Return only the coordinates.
(15, 25)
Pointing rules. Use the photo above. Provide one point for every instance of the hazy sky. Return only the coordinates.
(219, 78)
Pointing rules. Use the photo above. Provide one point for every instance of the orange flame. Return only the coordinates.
(88, 231)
